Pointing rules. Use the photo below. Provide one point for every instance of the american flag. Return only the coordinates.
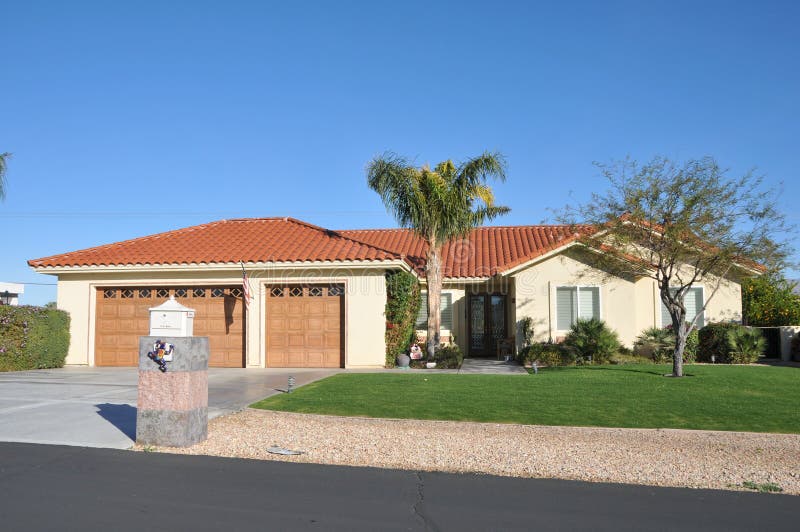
(245, 287)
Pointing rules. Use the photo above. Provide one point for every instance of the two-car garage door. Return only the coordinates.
(304, 323)
(123, 316)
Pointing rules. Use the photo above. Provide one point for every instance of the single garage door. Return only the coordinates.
(123, 316)
(305, 326)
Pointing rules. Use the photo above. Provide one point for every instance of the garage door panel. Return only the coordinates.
(122, 316)
(304, 327)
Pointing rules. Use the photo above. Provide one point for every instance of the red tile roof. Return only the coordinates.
(227, 241)
(485, 252)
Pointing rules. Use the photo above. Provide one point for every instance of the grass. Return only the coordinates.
(735, 398)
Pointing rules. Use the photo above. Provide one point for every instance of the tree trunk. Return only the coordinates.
(677, 355)
(433, 274)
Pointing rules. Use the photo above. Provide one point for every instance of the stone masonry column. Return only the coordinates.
(172, 408)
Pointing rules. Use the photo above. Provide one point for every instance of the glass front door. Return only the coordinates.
(487, 323)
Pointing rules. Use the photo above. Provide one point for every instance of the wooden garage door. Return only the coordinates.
(304, 326)
(123, 316)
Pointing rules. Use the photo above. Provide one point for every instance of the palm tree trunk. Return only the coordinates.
(433, 275)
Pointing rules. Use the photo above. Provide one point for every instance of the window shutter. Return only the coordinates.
(566, 299)
(693, 301)
(446, 303)
(422, 317)
(694, 305)
(666, 319)
(589, 306)
(447, 311)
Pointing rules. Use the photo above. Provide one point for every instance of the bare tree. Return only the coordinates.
(680, 225)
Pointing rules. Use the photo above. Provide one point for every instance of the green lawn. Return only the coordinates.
(743, 398)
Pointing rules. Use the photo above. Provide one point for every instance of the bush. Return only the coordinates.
(402, 306)
(714, 342)
(591, 340)
(33, 338)
(659, 345)
(692, 344)
(656, 344)
(745, 345)
(448, 357)
(545, 354)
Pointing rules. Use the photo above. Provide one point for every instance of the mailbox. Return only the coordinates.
(171, 319)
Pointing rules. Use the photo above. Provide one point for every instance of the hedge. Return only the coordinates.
(402, 307)
(32, 338)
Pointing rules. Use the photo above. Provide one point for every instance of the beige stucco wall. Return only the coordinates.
(365, 302)
(626, 305)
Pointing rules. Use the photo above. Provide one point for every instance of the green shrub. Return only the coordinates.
(714, 342)
(32, 338)
(629, 357)
(402, 307)
(448, 357)
(692, 344)
(745, 345)
(544, 354)
(591, 340)
(526, 330)
(659, 345)
(656, 344)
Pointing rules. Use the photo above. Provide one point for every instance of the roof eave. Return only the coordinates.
(221, 266)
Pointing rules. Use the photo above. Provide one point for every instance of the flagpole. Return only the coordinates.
(246, 299)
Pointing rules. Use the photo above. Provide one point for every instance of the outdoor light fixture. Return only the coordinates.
(290, 385)
(535, 368)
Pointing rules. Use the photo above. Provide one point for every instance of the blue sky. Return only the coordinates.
(130, 118)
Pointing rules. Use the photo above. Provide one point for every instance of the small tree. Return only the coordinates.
(438, 204)
(680, 225)
(770, 301)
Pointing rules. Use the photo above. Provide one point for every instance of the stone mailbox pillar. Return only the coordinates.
(172, 407)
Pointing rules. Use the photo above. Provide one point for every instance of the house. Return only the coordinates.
(318, 296)
(10, 292)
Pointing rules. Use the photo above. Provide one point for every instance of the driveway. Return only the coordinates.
(96, 407)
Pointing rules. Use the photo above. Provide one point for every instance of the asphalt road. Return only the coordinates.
(73, 488)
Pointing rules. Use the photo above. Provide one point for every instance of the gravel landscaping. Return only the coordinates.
(663, 457)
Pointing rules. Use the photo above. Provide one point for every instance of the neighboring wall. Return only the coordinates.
(365, 305)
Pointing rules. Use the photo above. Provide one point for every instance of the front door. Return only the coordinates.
(487, 323)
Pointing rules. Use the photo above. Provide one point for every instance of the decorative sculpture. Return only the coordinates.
(161, 354)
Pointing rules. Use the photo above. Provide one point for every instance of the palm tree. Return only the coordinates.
(3, 158)
(439, 205)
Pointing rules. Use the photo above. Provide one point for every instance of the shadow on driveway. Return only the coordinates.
(121, 416)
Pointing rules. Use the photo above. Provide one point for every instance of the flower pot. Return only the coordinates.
(403, 360)
(430, 365)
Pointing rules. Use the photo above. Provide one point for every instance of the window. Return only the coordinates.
(574, 302)
(446, 303)
(693, 301)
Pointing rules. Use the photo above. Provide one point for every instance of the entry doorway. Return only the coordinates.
(487, 323)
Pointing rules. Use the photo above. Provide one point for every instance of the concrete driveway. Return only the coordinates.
(96, 407)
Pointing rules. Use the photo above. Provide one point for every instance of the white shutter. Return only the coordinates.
(589, 303)
(447, 311)
(694, 305)
(566, 307)
(666, 319)
(693, 301)
(446, 302)
(422, 317)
